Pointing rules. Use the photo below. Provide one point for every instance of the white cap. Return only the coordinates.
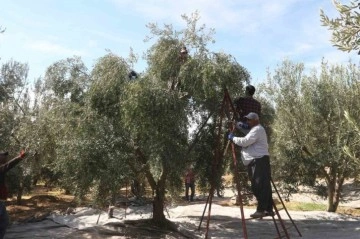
(252, 116)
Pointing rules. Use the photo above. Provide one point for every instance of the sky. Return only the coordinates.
(260, 34)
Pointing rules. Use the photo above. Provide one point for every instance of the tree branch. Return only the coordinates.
(194, 142)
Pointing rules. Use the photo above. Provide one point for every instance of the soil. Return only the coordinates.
(39, 205)
(43, 201)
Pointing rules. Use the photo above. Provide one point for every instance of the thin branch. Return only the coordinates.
(194, 142)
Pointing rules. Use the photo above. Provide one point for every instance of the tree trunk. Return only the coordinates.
(334, 193)
(159, 200)
(331, 191)
(158, 206)
(19, 194)
(158, 187)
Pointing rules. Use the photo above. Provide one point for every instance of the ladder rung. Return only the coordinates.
(251, 218)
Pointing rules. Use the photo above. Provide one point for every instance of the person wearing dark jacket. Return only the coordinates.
(5, 167)
(244, 106)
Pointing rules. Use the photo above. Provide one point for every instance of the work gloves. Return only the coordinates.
(230, 136)
(242, 125)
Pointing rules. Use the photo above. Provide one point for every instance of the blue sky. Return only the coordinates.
(258, 33)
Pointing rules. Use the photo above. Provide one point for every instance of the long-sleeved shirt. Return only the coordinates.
(254, 144)
(245, 105)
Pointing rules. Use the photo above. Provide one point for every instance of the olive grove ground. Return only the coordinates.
(51, 221)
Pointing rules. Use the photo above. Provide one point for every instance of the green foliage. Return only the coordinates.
(67, 78)
(310, 130)
(95, 132)
(109, 76)
(14, 117)
(18, 180)
(203, 162)
(12, 78)
(345, 28)
(157, 122)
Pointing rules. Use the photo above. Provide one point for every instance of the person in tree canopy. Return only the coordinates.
(255, 155)
(5, 167)
(245, 105)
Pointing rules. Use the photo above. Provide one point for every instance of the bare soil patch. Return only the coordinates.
(43, 201)
(39, 204)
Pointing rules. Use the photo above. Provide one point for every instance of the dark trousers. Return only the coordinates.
(4, 219)
(190, 186)
(260, 176)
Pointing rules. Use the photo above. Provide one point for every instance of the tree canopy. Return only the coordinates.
(310, 131)
(96, 130)
(346, 27)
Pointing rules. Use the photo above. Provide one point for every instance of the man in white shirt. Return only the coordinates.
(255, 156)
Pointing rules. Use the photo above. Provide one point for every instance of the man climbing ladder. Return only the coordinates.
(255, 156)
(228, 110)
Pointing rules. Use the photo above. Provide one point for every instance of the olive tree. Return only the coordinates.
(59, 116)
(345, 28)
(100, 128)
(14, 116)
(154, 111)
(310, 130)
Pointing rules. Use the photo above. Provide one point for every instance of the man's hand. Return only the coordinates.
(22, 153)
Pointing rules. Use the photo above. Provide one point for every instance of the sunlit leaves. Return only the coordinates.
(345, 28)
(12, 77)
(109, 76)
(67, 79)
(314, 133)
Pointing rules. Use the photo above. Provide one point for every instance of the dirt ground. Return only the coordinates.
(44, 201)
(39, 205)
(30, 220)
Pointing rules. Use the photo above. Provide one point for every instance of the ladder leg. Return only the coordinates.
(202, 217)
(281, 223)
(283, 205)
(276, 226)
(238, 187)
(209, 212)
